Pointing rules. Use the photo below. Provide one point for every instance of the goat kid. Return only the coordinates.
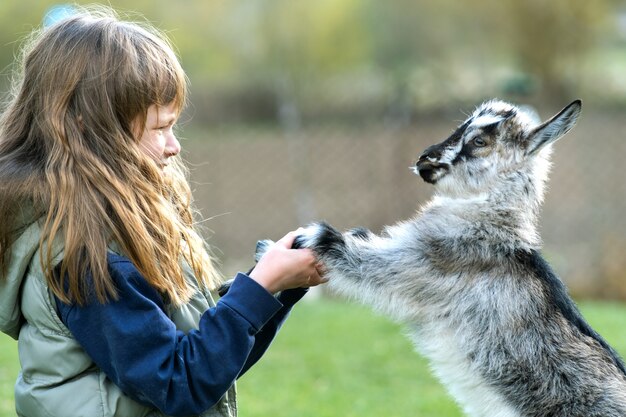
(466, 276)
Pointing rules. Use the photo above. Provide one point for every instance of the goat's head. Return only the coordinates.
(497, 139)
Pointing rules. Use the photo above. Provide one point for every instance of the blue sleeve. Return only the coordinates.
(139, 348)
(264, 338)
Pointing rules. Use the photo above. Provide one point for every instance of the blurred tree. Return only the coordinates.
(403, 35)
(280, 59)
(17, 20)
(303, 42)
(397, 46)
(547, 37)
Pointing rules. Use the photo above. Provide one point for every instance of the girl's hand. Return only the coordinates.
(282, 268)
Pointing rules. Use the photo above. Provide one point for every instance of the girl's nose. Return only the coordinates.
(172, 146)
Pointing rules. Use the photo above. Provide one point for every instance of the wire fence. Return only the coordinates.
(260, 183)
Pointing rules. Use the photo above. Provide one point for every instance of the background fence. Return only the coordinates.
(259, 184)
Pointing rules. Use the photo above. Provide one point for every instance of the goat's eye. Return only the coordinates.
(479, 142)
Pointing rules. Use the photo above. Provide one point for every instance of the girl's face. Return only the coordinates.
(158, 140)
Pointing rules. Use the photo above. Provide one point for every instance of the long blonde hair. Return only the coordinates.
(68, 146)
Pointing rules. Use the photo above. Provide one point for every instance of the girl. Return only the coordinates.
(103, 280)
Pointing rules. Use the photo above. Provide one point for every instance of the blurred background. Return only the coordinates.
(306, 110)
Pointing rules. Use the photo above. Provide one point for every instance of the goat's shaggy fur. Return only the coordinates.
(466, 276)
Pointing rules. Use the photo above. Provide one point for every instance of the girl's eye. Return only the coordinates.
(479, 142)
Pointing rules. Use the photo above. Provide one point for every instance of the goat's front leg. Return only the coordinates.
(362, 265)
(328, 244)
(340, 252)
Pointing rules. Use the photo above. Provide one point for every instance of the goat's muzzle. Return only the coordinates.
(430, 170)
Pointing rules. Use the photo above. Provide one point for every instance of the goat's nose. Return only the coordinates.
(431, 153)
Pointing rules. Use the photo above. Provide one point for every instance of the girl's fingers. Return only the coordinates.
(317, 277)
(287, 240)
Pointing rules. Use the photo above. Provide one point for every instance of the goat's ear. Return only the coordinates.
(553, 129)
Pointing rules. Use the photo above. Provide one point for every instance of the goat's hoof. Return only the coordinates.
(320, 237)
(223, 289)
(262, 246)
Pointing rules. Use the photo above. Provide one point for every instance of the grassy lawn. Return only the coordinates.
(9, 367)
(337, 359)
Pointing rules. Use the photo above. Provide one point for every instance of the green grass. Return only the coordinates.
(338, 359)
(9, 367)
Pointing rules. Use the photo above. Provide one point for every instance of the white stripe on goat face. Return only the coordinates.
(485, 120)
(453, 145)
(474, 126)
(451, 151)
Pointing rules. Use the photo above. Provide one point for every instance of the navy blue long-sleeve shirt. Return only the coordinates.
(139, 348)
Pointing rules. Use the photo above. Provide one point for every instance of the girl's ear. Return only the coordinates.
(553, 129)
